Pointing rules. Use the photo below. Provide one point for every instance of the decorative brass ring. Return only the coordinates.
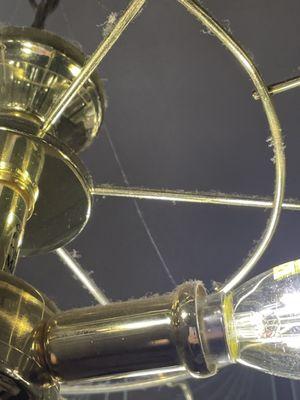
(21, 183)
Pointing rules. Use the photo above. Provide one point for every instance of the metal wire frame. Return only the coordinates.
(201, 15)
(280, 87)
(263, 94)
(219, 199)
(82, 275)
(135, 6)
(262, 90)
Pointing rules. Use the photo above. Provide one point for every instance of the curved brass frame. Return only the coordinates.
(262, 90)
(263, 94)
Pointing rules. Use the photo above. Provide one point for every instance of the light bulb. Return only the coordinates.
(262, 321)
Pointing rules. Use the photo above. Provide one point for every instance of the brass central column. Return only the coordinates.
(21, 162)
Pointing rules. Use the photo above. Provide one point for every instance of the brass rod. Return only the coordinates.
(280, 87)
(92, 63)
(79, 272)
(192, 197)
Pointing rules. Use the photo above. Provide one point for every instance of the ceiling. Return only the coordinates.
(180, 115)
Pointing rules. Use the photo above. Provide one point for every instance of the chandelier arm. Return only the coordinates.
(279, 187)
(127, 382)
(82, 275)
(92, 63)
(109, 386)
(223, 199)
(280, 87)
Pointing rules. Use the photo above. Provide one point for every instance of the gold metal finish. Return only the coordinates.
(181, 196)
(84, 278)
(167, 337)
(55, 113)
(36, 67)
(159, 334)
(119, 382)
(14, 213)
(21, 162)
(22, 311)
(21, 165)
(53, 223)
(280, 87)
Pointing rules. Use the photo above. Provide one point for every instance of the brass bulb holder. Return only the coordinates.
(41, 347)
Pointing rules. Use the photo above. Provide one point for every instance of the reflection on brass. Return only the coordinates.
(159, 335)
(62, 177)
(22, 311)
(13, 218)
(156, 333)
(36, 67)
(45, 198)
(156, 336)
(21, 163)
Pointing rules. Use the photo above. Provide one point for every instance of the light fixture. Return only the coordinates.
(256, 324)
(51, 107)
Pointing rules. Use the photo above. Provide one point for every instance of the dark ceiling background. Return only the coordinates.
(180, 115)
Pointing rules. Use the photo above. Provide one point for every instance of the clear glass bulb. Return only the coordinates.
(262, 321)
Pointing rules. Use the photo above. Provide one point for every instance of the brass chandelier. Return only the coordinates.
(51, 108)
